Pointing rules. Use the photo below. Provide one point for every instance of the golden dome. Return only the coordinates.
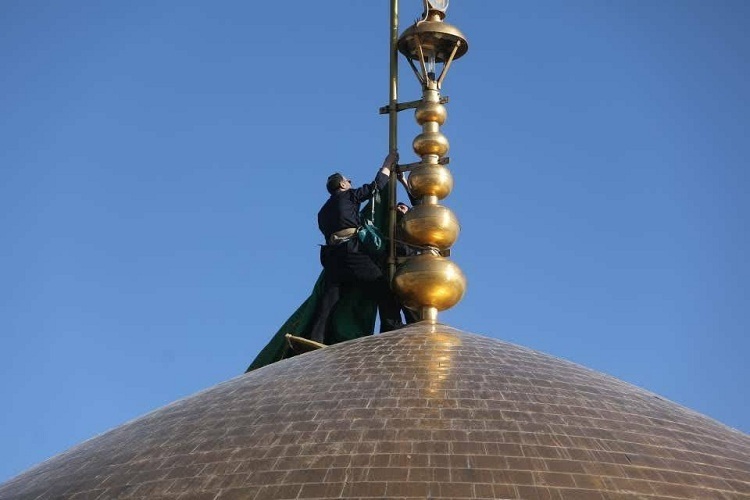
(423, 412)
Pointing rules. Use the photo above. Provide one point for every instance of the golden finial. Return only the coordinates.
(430, 282)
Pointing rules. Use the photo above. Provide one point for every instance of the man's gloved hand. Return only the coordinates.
(390, 162)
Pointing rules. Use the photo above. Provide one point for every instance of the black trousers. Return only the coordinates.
(410, 317)
(346, 264)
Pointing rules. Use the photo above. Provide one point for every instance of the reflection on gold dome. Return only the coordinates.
(441, 351)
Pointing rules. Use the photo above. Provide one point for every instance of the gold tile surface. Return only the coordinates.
(423, 412)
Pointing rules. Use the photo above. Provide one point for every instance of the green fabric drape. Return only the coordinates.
(353, 316)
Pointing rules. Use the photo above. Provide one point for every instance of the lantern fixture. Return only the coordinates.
(431, 43)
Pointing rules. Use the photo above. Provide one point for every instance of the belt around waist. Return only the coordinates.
(342, 235)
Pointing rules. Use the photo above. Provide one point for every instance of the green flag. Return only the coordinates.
(353, 316)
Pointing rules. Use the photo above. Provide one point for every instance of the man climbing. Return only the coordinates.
(342, 257)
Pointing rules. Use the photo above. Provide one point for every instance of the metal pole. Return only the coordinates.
(393, 139)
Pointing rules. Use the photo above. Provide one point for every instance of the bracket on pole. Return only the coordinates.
(401, 106)
(410, 166)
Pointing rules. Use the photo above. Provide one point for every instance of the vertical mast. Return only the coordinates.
(393, 138)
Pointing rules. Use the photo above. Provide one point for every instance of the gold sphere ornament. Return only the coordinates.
(430, 143)
(427, 281)
(431, 225)
(430, 112)
(430, 180)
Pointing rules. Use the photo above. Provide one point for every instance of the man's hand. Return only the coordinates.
(390, 162)
(402, 178)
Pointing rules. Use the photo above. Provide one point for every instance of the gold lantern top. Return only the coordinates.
(432, 41)
(435, 36)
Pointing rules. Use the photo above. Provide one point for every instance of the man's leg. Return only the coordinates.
(364, 270)
(410, 316)
(388, 306)
(323, 312)
(330, 259)
(376, 285)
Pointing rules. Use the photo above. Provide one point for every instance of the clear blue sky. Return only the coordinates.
(162, 164)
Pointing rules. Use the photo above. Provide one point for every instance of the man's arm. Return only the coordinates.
(390, 162)
(381, 179)
(402, 180)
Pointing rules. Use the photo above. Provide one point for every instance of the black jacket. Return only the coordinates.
(341, 211)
